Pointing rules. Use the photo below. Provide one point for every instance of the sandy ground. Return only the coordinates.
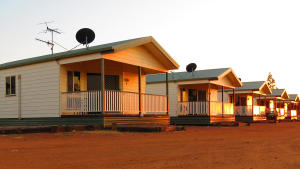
(256, 146)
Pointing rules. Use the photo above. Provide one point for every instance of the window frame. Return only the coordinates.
(10, 86)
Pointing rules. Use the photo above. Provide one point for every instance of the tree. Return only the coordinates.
(271, 81)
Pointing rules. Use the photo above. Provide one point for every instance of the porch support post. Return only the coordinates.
(233, 100)
(167, 92)
(252, 104)
(209, 99)
(222, 101)
(140, 105)
(259, 104)
(275, 106)
(102, 85)
(266, 103)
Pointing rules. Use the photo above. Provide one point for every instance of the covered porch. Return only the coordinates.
(203, 101)
(112, 84)
(276, 106)
(247, 100)
(292, 107)
(115, 89)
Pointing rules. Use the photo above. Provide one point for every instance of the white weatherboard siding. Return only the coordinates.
(160, 89)
(39, 91)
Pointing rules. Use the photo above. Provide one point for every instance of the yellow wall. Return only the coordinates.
(138, 56)
(249, 100)
(128, 72)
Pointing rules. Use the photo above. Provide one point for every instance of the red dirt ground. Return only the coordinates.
(255, 146)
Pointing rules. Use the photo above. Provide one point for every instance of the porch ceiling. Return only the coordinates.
(111, 67)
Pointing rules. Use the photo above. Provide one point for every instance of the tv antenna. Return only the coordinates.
(52, 31)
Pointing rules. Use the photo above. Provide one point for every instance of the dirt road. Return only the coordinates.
(256, 146)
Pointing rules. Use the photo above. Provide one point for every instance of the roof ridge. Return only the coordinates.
(200, 70)
(70, 53)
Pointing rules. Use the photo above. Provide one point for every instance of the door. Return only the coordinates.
(112, 82)
(112, 99)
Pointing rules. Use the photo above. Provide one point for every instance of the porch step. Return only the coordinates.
(47, 129)
(163, 120)
(225, 124)
(146, 128)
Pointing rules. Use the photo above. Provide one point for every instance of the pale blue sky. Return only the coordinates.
(253, 37)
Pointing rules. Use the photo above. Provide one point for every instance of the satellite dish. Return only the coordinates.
(85, 36)
(191, 67)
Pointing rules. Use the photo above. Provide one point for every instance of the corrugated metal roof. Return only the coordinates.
(292, 97)
(180, 76)
(276, 92)
(255, 85)
(67, 54)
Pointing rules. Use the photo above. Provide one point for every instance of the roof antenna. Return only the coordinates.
(52, 31)
(191, 67)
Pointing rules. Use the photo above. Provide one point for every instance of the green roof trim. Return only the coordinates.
(209, 74)
(109, 47)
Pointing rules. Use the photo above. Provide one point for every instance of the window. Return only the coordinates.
(76, 81)
(73, 81)
(10, 85)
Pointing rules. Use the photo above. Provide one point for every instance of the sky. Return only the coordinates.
(254, 37)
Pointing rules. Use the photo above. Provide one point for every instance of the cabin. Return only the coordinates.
(104, 84)
(194, 96)
(292, 106)
(246, 99)
(275, 103)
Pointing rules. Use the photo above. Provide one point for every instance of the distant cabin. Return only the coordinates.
(194, 97)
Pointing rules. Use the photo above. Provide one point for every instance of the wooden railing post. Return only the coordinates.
(259, 104)
(102, 85)
(233, 100)
(167, 91)
(139, 81)
(222, 101)
(208, 99)
(252, 104)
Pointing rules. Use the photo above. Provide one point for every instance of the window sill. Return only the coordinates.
(10, 95)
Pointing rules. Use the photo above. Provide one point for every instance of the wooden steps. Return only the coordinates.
(147, 128)
(161, 120)
(48, 129)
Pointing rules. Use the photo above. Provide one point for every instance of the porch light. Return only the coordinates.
(126, 80)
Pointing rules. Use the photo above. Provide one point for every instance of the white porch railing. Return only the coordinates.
(292, 113)
(154, 104)
(247, 110)
(228, 108)
(215, 108)
(280, 111)
(192, 108)
(118, 101)
(79, 102)
(201, 108)
(115, 101)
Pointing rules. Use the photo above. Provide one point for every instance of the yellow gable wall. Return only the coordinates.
(138, 56)
(128, 72)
